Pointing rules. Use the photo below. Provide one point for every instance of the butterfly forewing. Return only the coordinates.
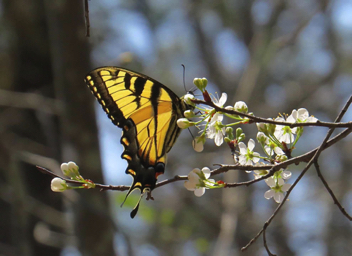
(153, 108)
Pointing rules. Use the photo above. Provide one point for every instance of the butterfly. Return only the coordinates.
(147, 111)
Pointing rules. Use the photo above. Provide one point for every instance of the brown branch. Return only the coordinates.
(263, 120)
(266, 245)
(176, 178)
(97, 185)
(86, 15)
(320, 175)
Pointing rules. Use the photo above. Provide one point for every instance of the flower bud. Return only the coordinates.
(70, 169)
(262, 127)
(241, 106)
(261, 138)
(227, 140)
(184, 123)
(188, 99)
(239, 132)
(229, 133)
(198, 143)
(189, 114)
(281, 158)
(201, 83)
(58, 185)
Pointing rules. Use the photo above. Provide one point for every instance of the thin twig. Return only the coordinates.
(176, 178)
(266, 245)
(268, 121)
(86, 15)
(331, 192)
(97, 185)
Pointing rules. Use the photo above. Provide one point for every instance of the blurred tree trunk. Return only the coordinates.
(48, 54)
(70, 55)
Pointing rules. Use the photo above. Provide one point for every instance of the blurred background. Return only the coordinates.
(275, 55)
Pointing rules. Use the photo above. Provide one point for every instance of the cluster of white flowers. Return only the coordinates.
(277, 141)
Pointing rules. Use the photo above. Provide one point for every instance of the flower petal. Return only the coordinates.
(206, 172)
(278, 197)
(242, 159)
(243, 148)
(199, 192)
(198, 144)
(303, 114)
(269, 194)
(251, 144)
(256, 157)
(58, 185)
(196, 170)
(278, 151)
(286, 175)
(270, 182)
(285, 187)
(291, 119)
(280, 181)
(312, 119)
(217, 117)
(223, 99)
(190, 185)
(72, 165)
(64, 166)
(219, 138)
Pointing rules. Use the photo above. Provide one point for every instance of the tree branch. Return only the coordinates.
(320, 175)
(223, 168)
(256, 119)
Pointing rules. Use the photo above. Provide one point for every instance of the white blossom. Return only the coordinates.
(272, 148)
(197, 179)
(259, 173)
(278, 195)
(262, 138)
(277, 186)
(221, 102)
(247, 156)
(284, 133)
(216, 131)
(302, 115)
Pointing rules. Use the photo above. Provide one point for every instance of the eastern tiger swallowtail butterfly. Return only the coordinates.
(147, 112)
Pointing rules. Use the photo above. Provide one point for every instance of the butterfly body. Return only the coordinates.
(147, 111)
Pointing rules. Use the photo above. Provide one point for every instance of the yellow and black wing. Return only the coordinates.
(147, 111)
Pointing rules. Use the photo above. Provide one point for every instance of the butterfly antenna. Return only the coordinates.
(184, 75)
(191, 133)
